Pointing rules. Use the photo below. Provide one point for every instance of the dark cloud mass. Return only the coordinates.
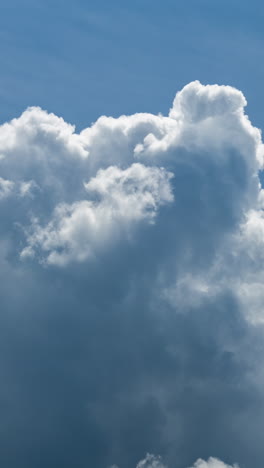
(131, 288)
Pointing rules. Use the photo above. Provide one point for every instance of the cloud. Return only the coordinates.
(207, 144)
(6, 187)
(212, 463)
(126, 197)
(197, 102)
(131, 287)
(152, 461)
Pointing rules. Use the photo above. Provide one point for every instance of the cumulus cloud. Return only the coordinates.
(152, 461)
(126, 197)
(135, 250)
(207, 143)
(212, 463)
(91, 191)
(197, 102)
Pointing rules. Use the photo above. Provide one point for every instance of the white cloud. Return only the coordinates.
(152, 461)
(34, 133)
(78, 231)
(78, 196)
(6, 187)
(212, 463)
(167, 213)
(20, 189)
(196, 102)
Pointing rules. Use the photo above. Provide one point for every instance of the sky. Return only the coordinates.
(84, 59)
(132, 234)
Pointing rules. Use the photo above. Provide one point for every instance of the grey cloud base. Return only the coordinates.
(132, 288)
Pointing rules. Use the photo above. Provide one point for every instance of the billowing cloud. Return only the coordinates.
(211, 463)
(132, 287)
(152, 461)
(125, 198)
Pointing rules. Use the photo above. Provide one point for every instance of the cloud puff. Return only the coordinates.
(192, 175)
(6, 187)
(126, 197)
(152, 461)
(197, 102)
(206, 143)
(212, 463)
(131, 287)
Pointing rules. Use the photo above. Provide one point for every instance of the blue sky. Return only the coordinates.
(131, 250)
(84, 59)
